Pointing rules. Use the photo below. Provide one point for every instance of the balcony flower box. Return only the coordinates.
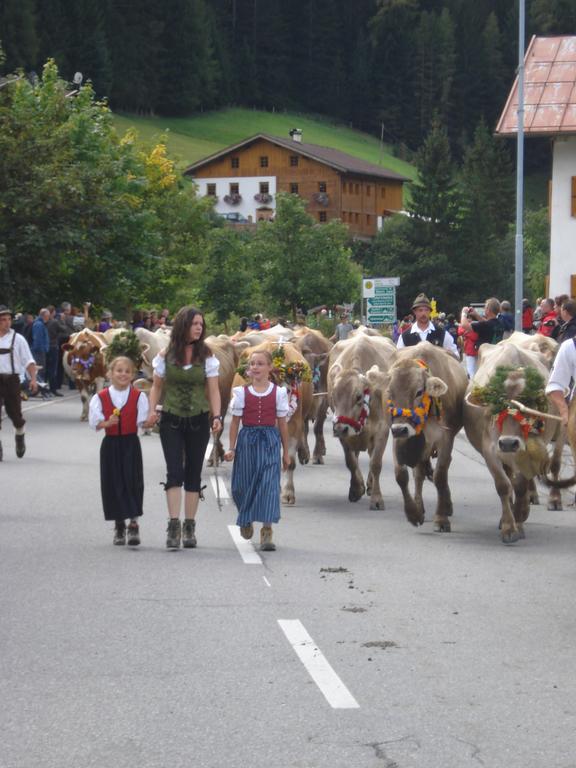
(263, 197)
(321, 198)
(233, 199)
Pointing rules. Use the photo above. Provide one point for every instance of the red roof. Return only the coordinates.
(549, 90)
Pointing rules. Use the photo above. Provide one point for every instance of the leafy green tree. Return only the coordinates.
(303, 264)
(228, 278)
(83, 213)
(536, 251)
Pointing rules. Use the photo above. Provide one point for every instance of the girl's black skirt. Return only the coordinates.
(121, 477)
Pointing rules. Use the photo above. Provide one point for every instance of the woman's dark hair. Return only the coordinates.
(137, 316)
(243, 323)
(180, 338)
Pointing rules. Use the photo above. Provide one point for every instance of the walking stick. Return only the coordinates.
(216, 457)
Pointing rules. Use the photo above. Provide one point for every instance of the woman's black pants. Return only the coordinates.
(184, 442)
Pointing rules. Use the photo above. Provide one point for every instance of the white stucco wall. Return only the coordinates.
(248, 187)
(563, 224)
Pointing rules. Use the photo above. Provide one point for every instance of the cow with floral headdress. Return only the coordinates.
(426, 388)
(356, 395)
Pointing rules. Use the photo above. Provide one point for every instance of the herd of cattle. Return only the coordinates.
(420, 394)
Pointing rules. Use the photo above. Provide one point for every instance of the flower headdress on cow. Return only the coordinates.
(284, 374)
(124, 344)
(525, 385)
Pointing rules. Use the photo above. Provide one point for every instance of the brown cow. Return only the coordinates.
(355, 394)
(316, 350)
(83, 362)
(296, 421)
(513, 447)
(426, 393)
(228, 356)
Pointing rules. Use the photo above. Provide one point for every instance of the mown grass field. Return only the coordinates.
(192, 138)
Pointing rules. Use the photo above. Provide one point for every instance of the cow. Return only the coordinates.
(228, 357)
(355, 394)
(151, 343)
(83, 362)
(426, 388)
(544, 345)
(303, 394)
(315, 348)
(514, 442)
(546, 348)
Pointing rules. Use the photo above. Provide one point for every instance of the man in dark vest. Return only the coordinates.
(424, 330)
(15, 358)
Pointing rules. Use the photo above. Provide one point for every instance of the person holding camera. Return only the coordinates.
(489, 328)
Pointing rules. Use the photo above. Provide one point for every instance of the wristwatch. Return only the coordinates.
(217, 417)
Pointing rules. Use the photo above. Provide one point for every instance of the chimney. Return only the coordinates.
(296, 134)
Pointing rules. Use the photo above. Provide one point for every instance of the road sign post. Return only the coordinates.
(380, 296)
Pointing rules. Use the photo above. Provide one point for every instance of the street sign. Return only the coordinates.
(380, 295)
(370, 284)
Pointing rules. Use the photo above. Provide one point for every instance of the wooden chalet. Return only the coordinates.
(245, 178)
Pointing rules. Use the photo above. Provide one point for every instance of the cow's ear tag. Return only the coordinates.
(435, 387)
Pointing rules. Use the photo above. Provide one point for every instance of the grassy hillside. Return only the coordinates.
(191, 138)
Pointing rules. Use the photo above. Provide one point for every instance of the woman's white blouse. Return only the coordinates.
(237, 406)
(211, 366)
(119, 399)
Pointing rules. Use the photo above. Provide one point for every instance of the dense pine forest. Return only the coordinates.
(379, 65)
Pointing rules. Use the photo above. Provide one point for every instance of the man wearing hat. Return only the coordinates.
(424, 330)
(15, 358)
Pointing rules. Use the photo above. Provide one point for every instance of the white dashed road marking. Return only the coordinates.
(247, 551)
(224, 495)
(317, 666)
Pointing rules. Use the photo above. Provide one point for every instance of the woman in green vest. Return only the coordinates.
(187, 374)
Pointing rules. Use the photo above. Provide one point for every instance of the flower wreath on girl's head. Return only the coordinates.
(284, 374)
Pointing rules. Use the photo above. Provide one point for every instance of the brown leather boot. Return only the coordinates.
(266, 543)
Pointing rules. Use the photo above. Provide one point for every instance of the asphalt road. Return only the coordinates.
(362, 642)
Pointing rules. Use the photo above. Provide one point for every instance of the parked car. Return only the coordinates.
(234, 216)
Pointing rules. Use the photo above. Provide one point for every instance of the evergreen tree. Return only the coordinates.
(393, 32)
(434, 194)
(496, 82)
(486, 210)
(134, 32)
(18, 31)
(88, 45)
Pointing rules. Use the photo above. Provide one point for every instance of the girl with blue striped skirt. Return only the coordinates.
(262, 408)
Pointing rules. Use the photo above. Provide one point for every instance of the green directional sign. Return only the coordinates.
(383, 301)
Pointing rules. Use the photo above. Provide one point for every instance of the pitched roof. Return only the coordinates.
(340, 161)
(549, 90)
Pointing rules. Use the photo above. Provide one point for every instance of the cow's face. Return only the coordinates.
(83, 356)
(410, 381)
(525, 454)
(349, 395)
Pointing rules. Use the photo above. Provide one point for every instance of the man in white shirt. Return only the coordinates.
(15, 358)
(424, 330)
(562, 378)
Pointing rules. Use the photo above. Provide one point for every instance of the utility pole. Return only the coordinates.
(519, 242)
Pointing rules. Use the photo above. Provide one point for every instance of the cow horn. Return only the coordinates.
(532, 412)
(473, 405)
(319, 394)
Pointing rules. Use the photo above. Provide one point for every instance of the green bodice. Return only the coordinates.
(185, 390)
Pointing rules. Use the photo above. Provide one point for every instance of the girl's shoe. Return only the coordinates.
(120, 534)
(247, 531)
(189, 534)
(133, 534)
(174, 532)
(266, 543)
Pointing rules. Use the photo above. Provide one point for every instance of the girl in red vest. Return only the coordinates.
(120, 410)
(262, 407)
